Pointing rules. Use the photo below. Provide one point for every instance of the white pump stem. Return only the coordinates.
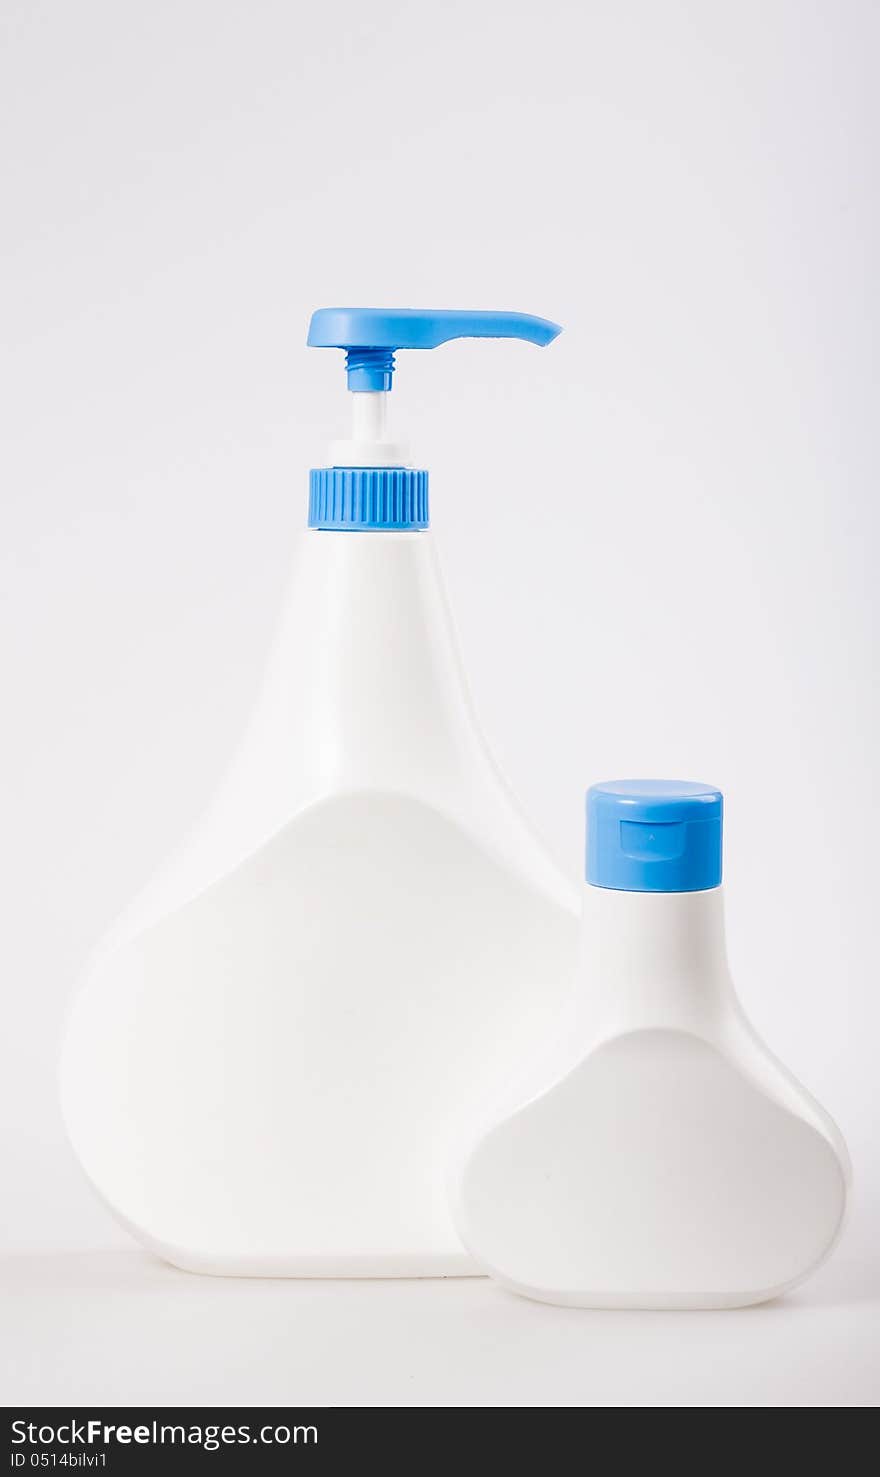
(368, 446)
(369, 411)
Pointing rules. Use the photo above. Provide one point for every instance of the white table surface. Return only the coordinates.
(119, 1328)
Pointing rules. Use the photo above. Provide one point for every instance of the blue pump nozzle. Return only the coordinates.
(371, 336)
(369, 483)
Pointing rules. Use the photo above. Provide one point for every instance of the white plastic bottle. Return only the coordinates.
(271, 1052)
(660, 1157)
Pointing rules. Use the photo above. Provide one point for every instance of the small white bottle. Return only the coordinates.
(269, 1054)
(661, 1157)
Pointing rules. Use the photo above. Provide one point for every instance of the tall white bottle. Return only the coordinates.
(660, 1157)
(272, 1051)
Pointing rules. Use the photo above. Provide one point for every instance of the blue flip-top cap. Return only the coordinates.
(654, 836)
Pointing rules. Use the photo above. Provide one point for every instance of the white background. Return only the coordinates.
(659, 538)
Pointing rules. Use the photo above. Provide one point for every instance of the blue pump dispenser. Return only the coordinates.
(369, 485)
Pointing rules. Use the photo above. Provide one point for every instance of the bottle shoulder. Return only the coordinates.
(363, 694)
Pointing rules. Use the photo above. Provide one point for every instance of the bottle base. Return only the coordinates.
(381, 1266)
(653, 1302)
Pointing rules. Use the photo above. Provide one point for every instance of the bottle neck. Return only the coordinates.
(652, 960)
(365, 676)
(362, 691)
